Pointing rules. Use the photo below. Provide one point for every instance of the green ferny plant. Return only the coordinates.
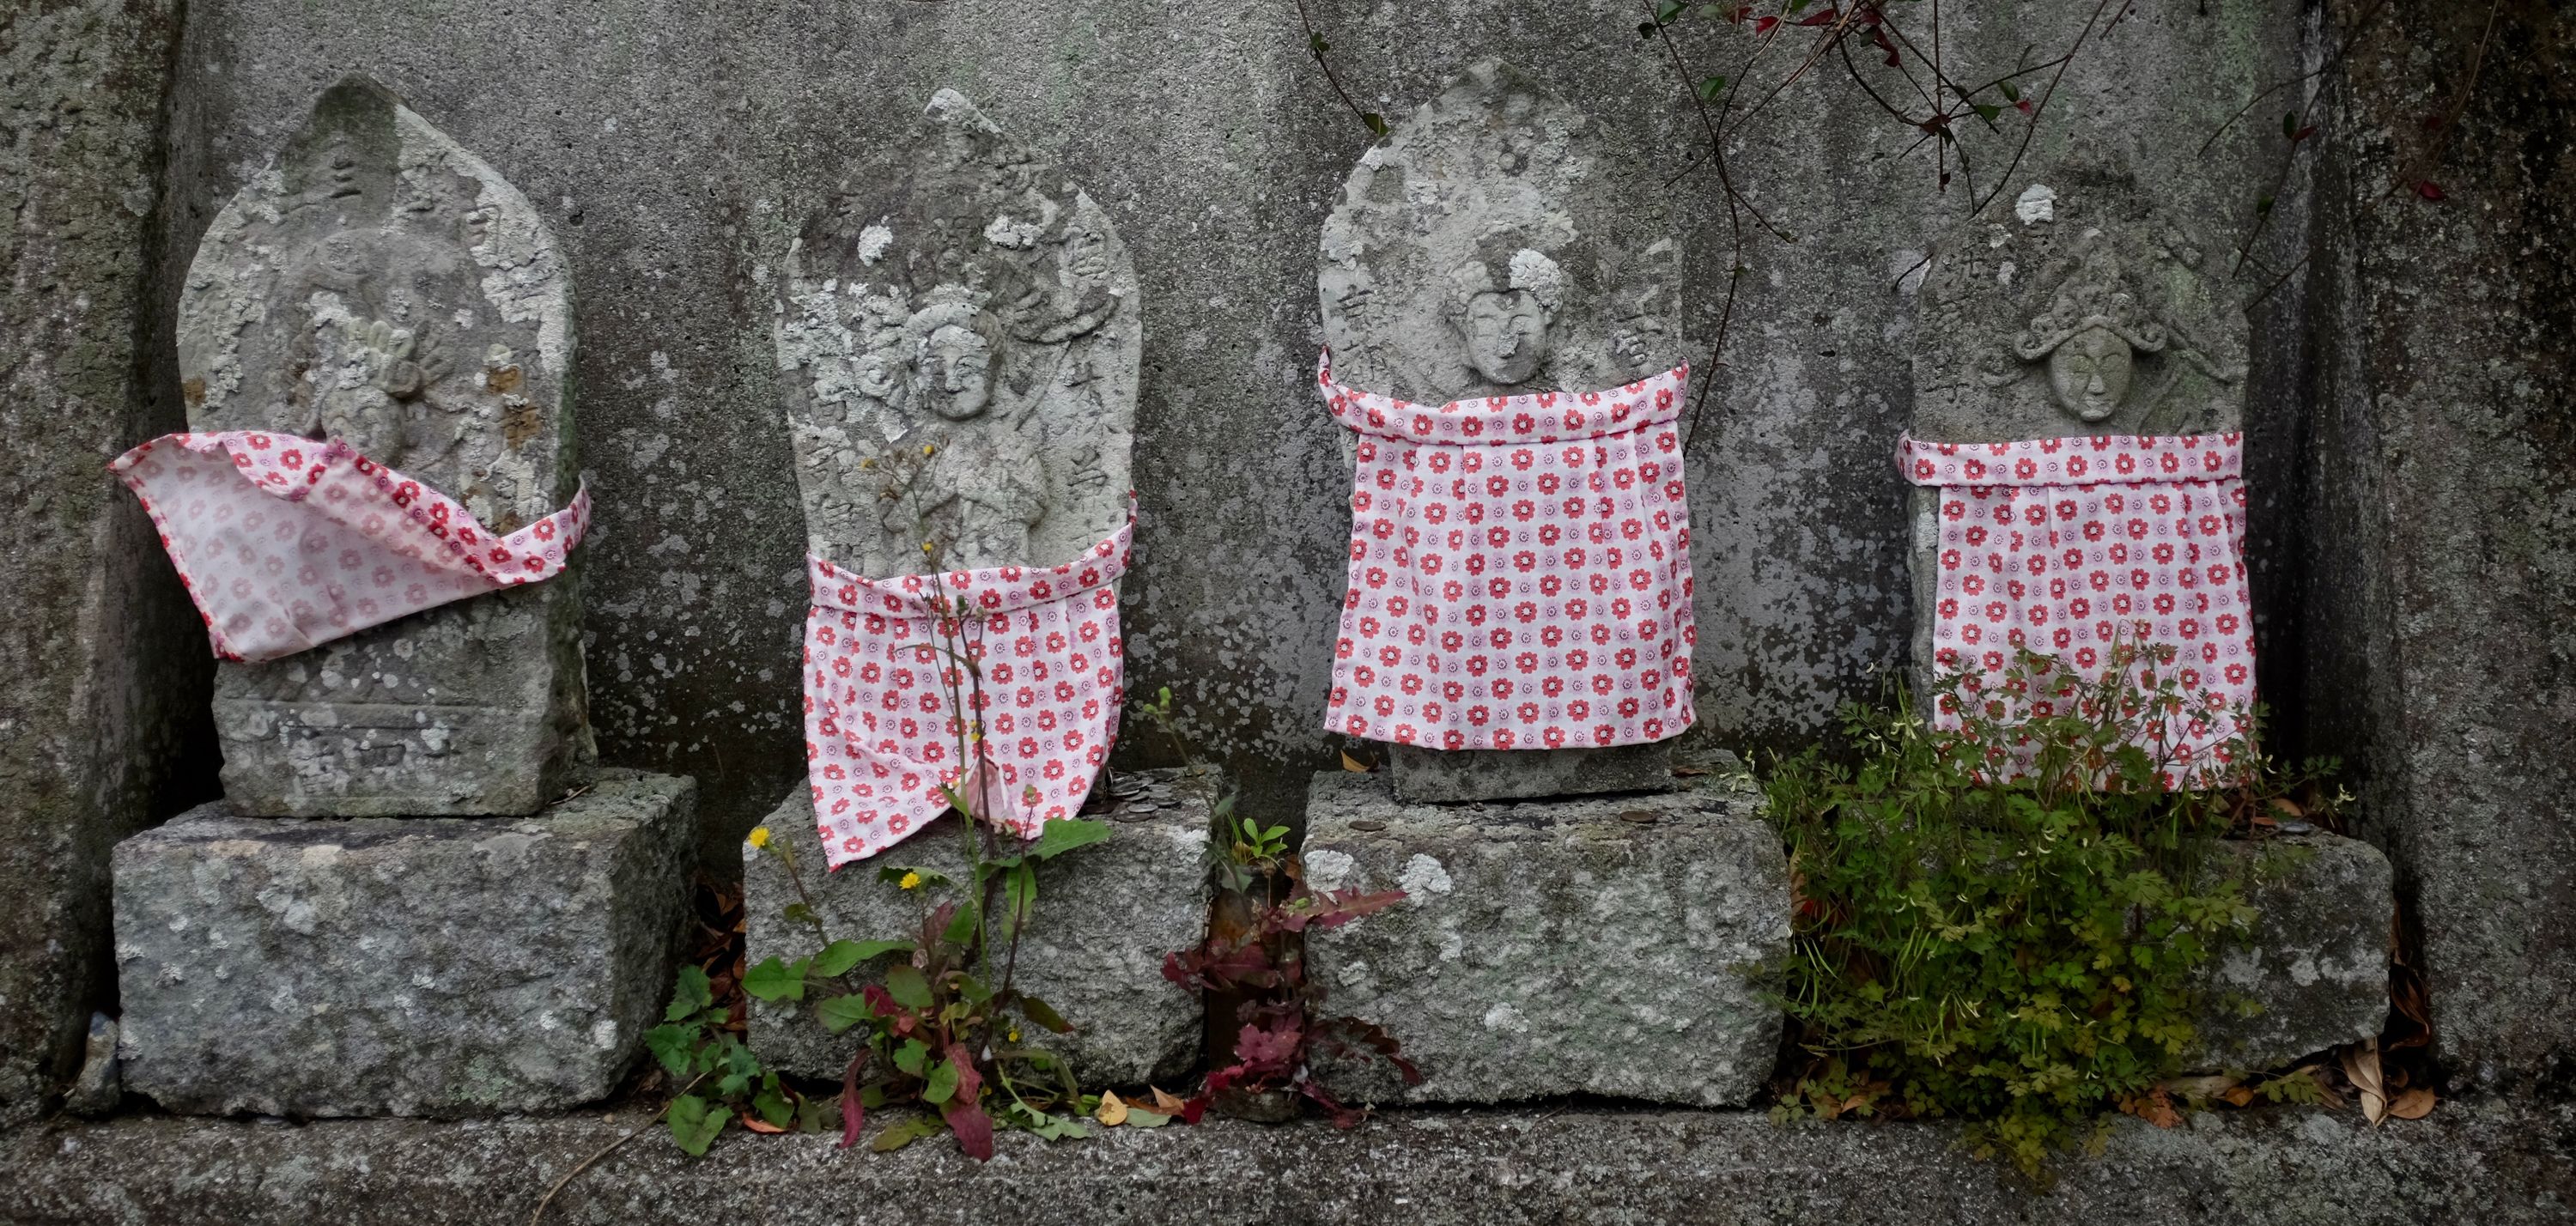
(2000, 920)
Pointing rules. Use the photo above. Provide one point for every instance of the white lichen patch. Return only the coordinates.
(1423, 877)
(1327, 869)
(873, 242)
(2037, 203)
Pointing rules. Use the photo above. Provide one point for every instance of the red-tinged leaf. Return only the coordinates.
(974, 1129)
(1338, 908)
(1764, 26)
(1878, 35)
(1826, 18)
(854, 1113)
(2429, 190)
(2303, 134)
(880, 1001)
(970, 1083)
(1341, 1115)
(1269, 1049)
(2023, 104)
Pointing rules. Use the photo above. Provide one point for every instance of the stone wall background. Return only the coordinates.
(677, 144)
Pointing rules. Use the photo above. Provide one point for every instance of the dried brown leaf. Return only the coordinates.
(1165, 1103)
(2361, 1067)
(1112, 1112)
(1353, 765)
(2414, 1104)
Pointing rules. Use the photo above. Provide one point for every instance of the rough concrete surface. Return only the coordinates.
(400, 966)
(676, 147)
(1106, 914)
(1600, 946)
(103, 667)
(2484, 1162)
(378, 284)
(2316, 964)
(2439, 510)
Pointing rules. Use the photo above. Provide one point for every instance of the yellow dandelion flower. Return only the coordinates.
(760, 836)
(911, 881)
(1015, 1034)
(927, 449)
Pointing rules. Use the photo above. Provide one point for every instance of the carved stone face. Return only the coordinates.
(1506, 334)
(952, 372)
(2089, 372)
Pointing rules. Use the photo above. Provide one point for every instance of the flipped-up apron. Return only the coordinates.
(286, 543)
(884, 677)
(2070, 546)
(1519, 570)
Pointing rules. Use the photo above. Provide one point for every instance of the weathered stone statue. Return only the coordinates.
(412, 818)
(1484, 250)
(380, 285)
(958, 295)
(2077, 312)
(957, 334)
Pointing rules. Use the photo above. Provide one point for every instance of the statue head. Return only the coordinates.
(2089, 373)
(2090, 338)
(950, 349)
(1505, 328)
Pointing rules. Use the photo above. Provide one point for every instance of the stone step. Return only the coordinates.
(401, 966)
(1106, 914)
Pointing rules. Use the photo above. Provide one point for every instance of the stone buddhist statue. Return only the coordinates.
(378, 284)
(2107, 338)
(957, 332)
(1486, 249)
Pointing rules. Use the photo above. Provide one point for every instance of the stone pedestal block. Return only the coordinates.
(1106, 914)
(2316, 965)
(1447, 776)
(1596, 946)
(401, 966)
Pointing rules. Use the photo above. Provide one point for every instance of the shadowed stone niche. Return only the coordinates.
(1485, 249)
(379, 284)
(960, 294)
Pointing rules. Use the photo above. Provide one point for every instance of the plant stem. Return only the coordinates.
(610, 1148)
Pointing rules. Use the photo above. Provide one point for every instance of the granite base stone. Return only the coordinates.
(1106, 914)
(1446, 776)
(400, 966)
(1596, 946)
(2316, 965)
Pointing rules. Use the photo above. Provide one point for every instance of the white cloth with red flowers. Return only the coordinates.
(885, 675)
(2070, 546)
(286, 543)
(1519, 570)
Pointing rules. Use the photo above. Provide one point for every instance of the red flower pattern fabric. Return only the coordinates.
(1519, 570)
(881, 729)
(2068, 546)
(286, 543)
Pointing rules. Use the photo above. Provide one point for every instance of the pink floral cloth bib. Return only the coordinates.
(1519, 570)
(2066, 545)
(881, 729)
(286, 543)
